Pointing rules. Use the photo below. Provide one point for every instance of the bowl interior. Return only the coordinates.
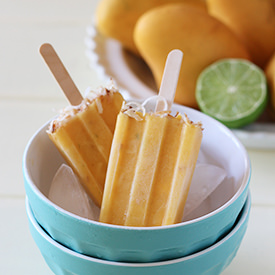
(219, 147)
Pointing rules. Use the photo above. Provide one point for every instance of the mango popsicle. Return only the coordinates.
(152, 160)
(83, 134)
(151, 164)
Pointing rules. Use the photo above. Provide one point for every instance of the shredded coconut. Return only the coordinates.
(134, 110)
(99, 106)
(90, 97)
(137, 111)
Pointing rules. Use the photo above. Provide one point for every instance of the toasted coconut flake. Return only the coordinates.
(134, 110)
(70, 111)
(162, 113)
(99, 105)
(132, 113)
(188, 121)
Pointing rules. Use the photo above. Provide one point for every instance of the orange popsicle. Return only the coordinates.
(83, 132)
(152, 160)
(83, 135)
(150, 169)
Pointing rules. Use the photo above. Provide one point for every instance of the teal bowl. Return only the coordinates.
(142, 244)
(212, 260)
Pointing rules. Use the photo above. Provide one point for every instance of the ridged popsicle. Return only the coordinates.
(83, 135)
(150, 169)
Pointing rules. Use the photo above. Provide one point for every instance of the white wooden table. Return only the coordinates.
(29, 96)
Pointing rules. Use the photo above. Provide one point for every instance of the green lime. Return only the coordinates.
(233, 91)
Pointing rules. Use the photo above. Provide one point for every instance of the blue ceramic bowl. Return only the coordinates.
(212, 260)
(139, 244)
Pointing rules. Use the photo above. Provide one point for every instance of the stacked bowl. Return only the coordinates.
(204, 245)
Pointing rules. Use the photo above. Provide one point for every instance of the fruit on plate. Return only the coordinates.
(117, 18)
(202, 38)
(233, 91)
(270, 74)
(253, 21)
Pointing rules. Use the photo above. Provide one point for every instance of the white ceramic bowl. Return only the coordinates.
(211, 261)
(140, 244)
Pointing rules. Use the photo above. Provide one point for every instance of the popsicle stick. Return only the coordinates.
(170, 79)
(61, 74)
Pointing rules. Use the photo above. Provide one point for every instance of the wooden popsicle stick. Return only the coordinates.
(170, 79)
(61, 74)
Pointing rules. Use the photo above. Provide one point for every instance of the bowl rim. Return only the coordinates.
(244, 184)
(243, 216)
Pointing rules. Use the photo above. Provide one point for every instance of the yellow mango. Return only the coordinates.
(270, 75)
(253, 21)
(117, 18)
(202, 38)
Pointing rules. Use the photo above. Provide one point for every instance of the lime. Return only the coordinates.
(233, 91)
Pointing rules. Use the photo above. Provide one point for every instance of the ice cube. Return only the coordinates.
(206, 179)
(67, 192)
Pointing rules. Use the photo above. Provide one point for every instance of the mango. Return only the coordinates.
(253, 21)
(202, 38)
(117, 18)
(270, 75)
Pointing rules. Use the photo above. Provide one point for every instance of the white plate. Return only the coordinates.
(135, 79)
